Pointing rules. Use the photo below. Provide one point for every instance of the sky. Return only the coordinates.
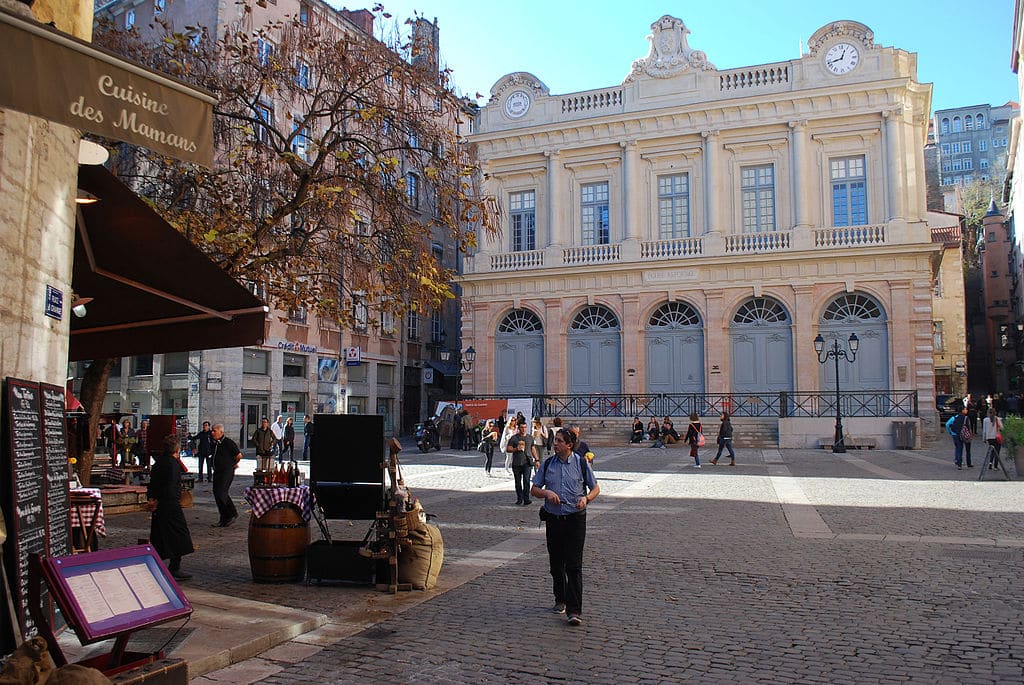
(963, 46)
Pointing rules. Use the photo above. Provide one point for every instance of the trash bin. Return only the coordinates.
(899, 435)
(911, 433)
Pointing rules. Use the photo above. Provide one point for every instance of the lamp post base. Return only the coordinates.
(838, 443)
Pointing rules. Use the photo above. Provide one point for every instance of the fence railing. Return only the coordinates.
(902, 403)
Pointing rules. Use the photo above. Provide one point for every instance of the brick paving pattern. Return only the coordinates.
(796, 566)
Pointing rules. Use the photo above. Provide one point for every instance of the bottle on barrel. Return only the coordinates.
(292, 475)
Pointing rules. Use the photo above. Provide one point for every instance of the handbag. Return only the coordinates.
(482, 447)
(701, 441)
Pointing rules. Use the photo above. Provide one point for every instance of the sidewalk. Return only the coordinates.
(799, 497)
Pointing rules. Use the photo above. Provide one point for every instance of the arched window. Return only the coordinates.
(980, 120)
(674, 315)
(968, 123)
(852, 307)
(958, 125)
(594, 318)
(760, 310)
(520, 322)
(944, 126)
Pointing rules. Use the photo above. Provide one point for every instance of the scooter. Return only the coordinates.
(426, 436)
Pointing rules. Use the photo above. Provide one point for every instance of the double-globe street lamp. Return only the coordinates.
(465, 361)
(838, 444)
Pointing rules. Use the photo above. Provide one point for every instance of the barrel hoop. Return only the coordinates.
(280, 525)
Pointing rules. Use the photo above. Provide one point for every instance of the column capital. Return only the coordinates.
(893, 112)
(627, 144)
(551, 154)
(798, 124)
(709, 133)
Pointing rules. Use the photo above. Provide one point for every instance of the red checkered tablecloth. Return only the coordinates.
(263, 499)
(81, 514)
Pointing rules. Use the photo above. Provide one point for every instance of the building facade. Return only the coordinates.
(306, 364)
(972, 144)
(692, 229)
(949, 325)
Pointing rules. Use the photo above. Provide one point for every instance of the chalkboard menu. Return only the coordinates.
(55, 456)
(35, 484)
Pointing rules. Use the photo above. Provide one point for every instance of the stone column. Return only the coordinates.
(713, 182)
(630, 191)
(555, 216)
(801, 177)
(632, 340)
(894, 162)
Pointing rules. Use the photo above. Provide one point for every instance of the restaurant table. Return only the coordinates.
(279, 532)
(86, 509)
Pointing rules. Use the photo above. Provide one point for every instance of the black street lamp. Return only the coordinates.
(465, 360)
(838, 444)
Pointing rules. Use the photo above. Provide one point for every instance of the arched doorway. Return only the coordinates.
(519, 354)
(869, 372)
(595, 356)
(761, 347)
(675, 350)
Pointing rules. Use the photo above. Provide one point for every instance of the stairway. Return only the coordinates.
(750, 433)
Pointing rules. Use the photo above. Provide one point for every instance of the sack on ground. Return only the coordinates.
(419, 561)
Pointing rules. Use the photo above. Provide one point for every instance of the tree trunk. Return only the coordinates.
(94, 390)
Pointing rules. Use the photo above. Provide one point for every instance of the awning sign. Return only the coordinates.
(353, 356)
(65, 80)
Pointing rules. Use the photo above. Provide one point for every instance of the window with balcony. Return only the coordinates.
(967, 146)
(522, 209)
(980, 121)
(849, 191)
(387, 324)
(968, 123)
(955, 148)
(436, 326)
(945, 148)
(958, 125)
(674, 206)
(594, 213)
(757, 186)
(968, 164)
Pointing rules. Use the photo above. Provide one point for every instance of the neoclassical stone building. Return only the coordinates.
(691, 230)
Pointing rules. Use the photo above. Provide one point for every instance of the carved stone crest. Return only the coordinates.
(670, 54)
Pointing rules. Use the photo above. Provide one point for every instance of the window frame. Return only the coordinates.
(251, 362)
(302, 364)
(595, 213)
(522, 220)
(672, 197)
(757, 193)
(855, 205)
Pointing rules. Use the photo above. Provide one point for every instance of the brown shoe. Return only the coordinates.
(732, 463)
(714, 461)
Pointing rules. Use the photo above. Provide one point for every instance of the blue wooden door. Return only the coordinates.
(761, 348)
(519, 354)
(595, 353)
(868, 373)
(675, 350)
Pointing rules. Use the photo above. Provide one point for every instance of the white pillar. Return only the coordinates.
(555, 228)
(894, 162)
(630, 191)
(801, 177)
(713, 184)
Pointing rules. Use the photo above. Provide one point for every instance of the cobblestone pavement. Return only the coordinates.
(795, 566)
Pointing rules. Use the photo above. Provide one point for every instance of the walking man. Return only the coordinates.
(567, 484)
(524, 456)
(226, 457)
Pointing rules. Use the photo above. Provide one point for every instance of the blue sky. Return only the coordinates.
(963, 47)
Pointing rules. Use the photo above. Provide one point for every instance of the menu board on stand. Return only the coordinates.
(34, 477)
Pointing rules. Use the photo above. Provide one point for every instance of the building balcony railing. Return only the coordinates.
(829, 238)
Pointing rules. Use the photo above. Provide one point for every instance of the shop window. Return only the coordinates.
(294, 366)
(256, 362)
(357, 405)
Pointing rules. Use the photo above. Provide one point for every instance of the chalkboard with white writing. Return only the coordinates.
(24, 497)
(55, 455)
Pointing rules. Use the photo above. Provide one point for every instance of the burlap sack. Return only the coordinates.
(419, 561)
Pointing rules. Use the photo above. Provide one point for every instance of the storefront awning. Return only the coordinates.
(152, 291)
(448, 368)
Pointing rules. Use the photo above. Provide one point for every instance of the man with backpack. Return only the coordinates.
(567, 484)
(962, 432)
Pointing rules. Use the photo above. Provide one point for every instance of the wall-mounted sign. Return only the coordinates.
(296, 347)
(353, 356)
(68, 81)
(428, 375)
(213, 380)
(327, 370)
(54, 303)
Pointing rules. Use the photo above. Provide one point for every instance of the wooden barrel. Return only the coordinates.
(277, 545)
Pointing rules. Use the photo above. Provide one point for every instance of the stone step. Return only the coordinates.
(752, 433)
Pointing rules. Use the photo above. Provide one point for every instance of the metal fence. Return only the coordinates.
(768, 405)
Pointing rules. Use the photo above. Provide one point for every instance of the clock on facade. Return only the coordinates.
(842, 58)
(517, 104)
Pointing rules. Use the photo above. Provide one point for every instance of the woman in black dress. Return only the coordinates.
(168, 530)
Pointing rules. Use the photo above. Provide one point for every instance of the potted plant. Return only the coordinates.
(1013, 441)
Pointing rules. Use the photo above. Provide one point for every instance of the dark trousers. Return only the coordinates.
(521, 475)
(725, 444)
(566, 535)
(489, 453)
(221, 485)
(205, 465)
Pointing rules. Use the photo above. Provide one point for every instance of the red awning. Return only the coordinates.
(152, 290)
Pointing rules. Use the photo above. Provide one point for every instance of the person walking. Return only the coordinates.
(226, 457)
(955, 426)
(288, 441)
(539, 432)
(524, 457)
(168, 529)
(264, 441)
(567, 484)
(725, 440)
(308, 433)
(277, 430)
(510, 430)
(991, 429)
(693, 435)
(204, 452)
(489, 440)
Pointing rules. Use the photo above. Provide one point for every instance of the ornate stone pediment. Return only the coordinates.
(670, 55)
(518, 80)
(841, 29)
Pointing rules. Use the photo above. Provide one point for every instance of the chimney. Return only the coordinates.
(425, 39)
(362, 19)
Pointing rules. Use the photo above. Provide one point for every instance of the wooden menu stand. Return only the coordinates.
(74, 583)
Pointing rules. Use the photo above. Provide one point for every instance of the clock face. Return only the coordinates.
(517, 104)
(842, 58)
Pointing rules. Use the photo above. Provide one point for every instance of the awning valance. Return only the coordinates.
(152, 290)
